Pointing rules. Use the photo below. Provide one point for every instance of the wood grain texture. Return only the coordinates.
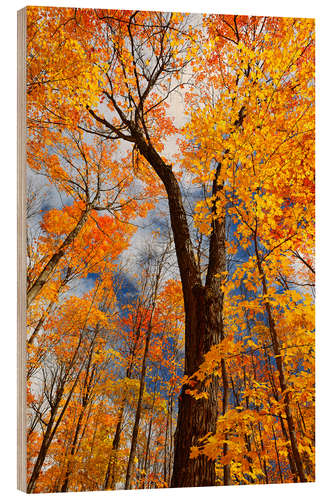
(21, 250)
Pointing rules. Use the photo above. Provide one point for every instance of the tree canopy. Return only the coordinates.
(170, 245)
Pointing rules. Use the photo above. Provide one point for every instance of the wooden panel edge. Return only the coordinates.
(21, 251)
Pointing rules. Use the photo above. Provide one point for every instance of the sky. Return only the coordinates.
(51, 197)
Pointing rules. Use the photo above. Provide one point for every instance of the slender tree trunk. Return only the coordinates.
(137, 413)
(291, 461)
(166, 434)
(110, 476)
(247, 438)
(87, 386)
(225, 382)
(65, 482)
(42, 451)
(277, 455)
(147, 450)
(40, 323)
(45, 274)
(263, 450)
(48, 309)
(51, 429)
(283, 428)
(135, 431)
(279, 364)
(74, 447)
(171, 440)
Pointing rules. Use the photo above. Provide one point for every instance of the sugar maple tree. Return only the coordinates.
(265, 157)
(240, 200)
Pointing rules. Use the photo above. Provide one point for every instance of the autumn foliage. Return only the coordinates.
(188, 360)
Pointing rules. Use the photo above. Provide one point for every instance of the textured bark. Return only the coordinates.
(203, 313)
(197, 418)
(203, 327)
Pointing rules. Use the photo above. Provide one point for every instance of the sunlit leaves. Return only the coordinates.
(98, 86)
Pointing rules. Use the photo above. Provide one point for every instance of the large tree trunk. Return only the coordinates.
(203, 325)
(197, 418)
(203, 312)
(203, 329)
